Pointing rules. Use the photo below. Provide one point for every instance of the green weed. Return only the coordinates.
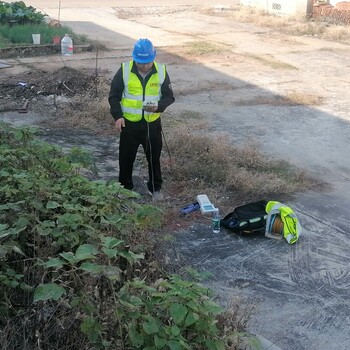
(18, 12)
(79, 254)
(22, 34)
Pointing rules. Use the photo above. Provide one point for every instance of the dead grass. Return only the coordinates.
(198, 48)
(270, 61)
(202, 86)
(206, 163)
(290, 98)
(304, 98)
(337, 33)
(93, 116)
(309, 28)
(234, 322)
(129, 12)
(294, 25)
(88, 112)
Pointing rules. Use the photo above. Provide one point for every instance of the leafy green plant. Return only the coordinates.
(173, 314)
(18, 12)
(22, 33)
(76, 253)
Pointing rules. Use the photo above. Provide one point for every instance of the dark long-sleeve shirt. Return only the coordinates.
(117, 88)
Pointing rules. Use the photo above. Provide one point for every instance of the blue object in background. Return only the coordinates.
(190, 208)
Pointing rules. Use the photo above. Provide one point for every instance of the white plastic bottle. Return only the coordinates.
(215, 222)
(66, 46)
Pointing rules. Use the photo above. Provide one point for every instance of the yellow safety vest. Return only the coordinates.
(134, 96)
(291, 225)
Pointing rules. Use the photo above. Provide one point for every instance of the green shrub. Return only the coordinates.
(78, 254)
(173, 314)
(18, 12)
(18, 34)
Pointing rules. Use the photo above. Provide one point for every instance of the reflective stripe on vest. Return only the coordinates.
(134, 96)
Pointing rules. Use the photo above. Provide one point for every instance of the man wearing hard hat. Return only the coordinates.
(140, 91)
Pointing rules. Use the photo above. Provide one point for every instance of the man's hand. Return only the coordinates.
(151, 107)
(119, 124)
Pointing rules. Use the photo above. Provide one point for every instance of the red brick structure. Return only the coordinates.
(344, 5)
(340, 13)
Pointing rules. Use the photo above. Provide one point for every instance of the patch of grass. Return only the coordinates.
(303, 98)
(292, 98)
(198, 48)
(337, 33)
(206, 163)
(308, 28)
(185, 115)
(190, 115)
(270, 61)
(3, 42)
(234, 323)
(203, 86)
(85, 115)
(22, 34)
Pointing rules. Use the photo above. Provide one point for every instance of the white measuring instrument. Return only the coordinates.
(204, 203)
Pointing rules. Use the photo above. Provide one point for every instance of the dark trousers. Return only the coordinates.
(150, 137)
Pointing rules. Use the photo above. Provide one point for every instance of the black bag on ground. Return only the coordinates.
(248, 219)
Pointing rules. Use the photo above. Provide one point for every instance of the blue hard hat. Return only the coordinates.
(144, 52)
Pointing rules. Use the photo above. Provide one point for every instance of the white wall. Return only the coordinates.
(288, 7)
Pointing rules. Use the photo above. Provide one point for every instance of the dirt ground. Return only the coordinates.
(287, 93)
